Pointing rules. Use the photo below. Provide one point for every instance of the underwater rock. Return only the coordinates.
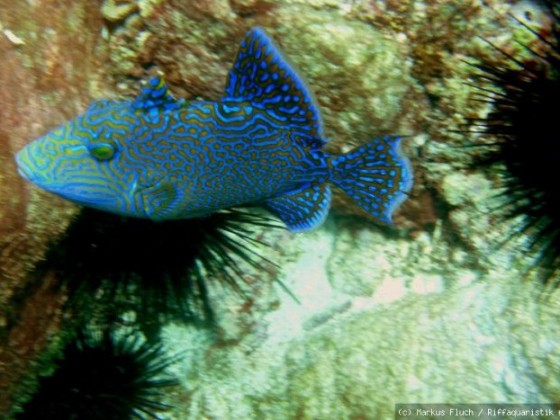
(118, 10)
(46, 79)
(444, 315)
(382, 317)
(428, 331)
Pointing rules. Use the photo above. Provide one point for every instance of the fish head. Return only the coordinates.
(88, 160)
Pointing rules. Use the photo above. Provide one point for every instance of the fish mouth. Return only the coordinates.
(80, 198)
(23, 169)
(67, 190)
(26, 170)
(24, 174)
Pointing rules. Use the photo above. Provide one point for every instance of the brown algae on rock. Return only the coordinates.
(118, 10)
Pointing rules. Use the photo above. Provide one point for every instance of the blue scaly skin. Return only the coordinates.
(160, 158)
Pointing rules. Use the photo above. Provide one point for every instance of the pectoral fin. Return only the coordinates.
(159, 201)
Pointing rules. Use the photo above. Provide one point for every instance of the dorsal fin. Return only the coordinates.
(155, 97)
(261, 74)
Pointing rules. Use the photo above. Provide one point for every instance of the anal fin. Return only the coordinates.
(302, 209)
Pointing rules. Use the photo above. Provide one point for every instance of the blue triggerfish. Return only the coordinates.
(160, 158)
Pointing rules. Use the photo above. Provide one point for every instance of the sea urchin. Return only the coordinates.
(523, 126)
(103, 376)
(159, 271)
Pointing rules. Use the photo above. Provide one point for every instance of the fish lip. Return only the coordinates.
(24, 170)
(61, 189)
(67, 192)
(83, 201)
(23, 174)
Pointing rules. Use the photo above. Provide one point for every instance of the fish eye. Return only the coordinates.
(102, 151)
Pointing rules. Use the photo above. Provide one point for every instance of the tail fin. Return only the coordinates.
(376, 175)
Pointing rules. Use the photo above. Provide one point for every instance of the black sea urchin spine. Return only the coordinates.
(102, 376)
(159, 271)
(522, 133)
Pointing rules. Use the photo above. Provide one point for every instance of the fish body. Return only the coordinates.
(160, 158)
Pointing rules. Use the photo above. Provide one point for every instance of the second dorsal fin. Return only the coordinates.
(262, 75)
(155, 97)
